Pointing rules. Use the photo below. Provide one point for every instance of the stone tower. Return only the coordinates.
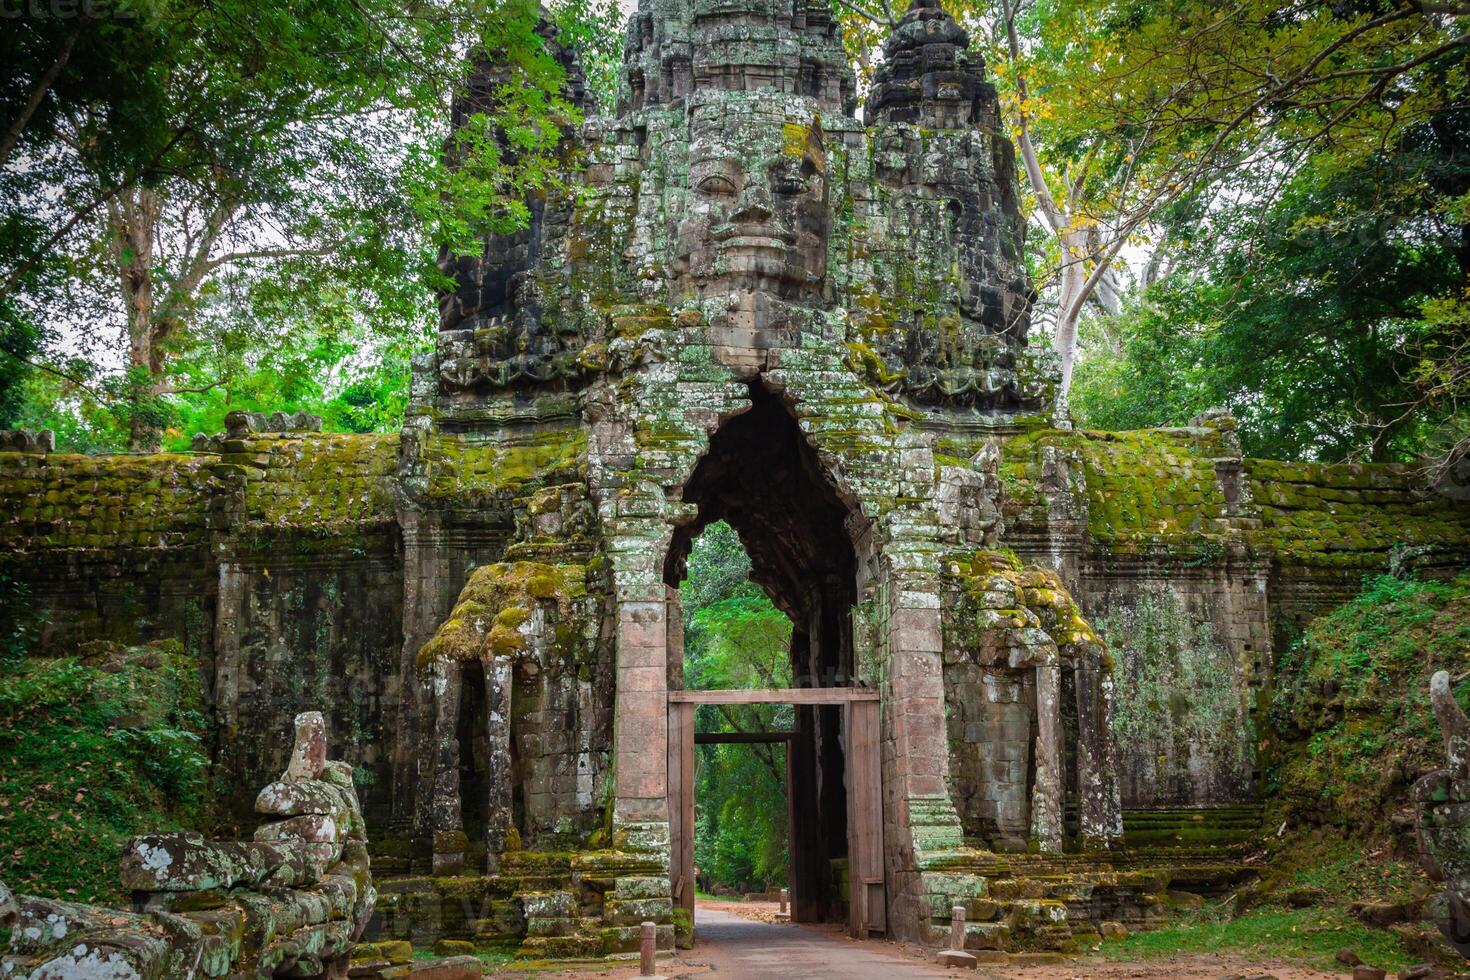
(764, 310)
(752, 306)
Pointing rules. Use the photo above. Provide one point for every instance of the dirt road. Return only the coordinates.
(745, 947)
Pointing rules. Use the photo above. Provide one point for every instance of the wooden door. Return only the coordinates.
(867, 902)
(681, 804)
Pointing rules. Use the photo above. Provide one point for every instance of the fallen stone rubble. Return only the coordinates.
(293, 901)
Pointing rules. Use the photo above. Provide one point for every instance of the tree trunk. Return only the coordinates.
(134, 217)
(1069, 310)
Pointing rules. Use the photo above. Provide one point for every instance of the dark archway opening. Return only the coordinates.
(763, 478)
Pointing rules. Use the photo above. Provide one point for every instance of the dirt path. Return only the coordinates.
(739, 943)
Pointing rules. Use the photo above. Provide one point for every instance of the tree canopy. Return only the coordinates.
(226, 205)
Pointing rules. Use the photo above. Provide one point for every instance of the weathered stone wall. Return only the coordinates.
(106, 547)
(1233, 554)
(308, 608)
(275, 557)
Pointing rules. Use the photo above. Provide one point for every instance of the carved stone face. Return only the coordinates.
(759, 215)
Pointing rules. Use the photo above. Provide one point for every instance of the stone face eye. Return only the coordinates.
(717, 184)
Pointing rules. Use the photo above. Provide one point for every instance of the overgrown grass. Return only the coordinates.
(1310, 937)
(707, 897)
(92, 751)
(1343, 872)
(1351, 726)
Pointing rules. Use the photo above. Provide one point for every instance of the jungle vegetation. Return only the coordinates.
(1254, 205)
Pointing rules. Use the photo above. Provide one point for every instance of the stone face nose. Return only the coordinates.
(754, 204)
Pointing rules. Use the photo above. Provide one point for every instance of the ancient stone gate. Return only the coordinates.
(753, 305)
(764, 311)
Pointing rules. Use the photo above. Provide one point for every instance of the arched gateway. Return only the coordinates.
(761, 310)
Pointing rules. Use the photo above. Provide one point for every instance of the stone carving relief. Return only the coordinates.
(736, 177)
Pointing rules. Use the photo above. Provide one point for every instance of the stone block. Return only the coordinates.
(957, 958)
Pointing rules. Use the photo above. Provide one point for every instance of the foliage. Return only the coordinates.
(1126, 109)
(20, 621)
(1308, 936)
(735, 638)
(1351, 727)
(1328, 322)
(219, 184)
(595, 29)
(95, 749)
(355, 383)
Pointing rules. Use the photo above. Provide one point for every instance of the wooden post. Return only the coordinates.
(681, 804)
(867, 907)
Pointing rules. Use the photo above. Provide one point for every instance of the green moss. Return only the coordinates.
(322, 481)
(498, 600)
(104, 502)
(1348, 516)
(470, 472)
(1144, 488)
(998, 596)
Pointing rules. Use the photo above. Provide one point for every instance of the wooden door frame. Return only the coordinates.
(862, 774)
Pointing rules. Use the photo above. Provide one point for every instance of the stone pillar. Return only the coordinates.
(1091, 750)
(445, 819)
(229, 611)
(640, 727)
(920, 821)
(499, 689)
(1046, 795)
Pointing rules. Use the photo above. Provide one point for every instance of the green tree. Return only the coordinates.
(213, 156)
(735, 638)
(1328, 321)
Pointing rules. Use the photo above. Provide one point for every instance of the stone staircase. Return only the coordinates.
(1039, 902)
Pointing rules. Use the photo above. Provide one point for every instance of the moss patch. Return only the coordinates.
(103, 502)
(1348, 515)
(999, 598)
(1146, 487)
(498, 601)
(469, 472)
(318, 480)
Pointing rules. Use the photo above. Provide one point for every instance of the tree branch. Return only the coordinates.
(43, 85)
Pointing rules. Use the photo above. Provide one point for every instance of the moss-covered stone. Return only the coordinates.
(490, 619)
